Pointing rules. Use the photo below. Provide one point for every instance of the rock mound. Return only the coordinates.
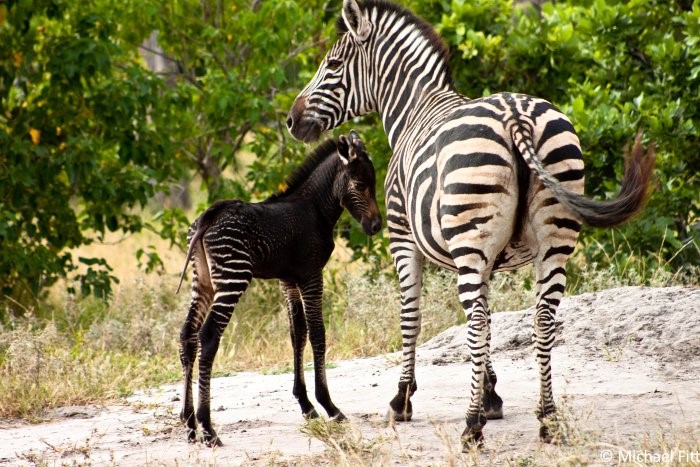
(660, 323)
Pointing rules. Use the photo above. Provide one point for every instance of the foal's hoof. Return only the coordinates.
(211, 440)
(311, 414)
(191, 435)
(472, 438)
(339, 417)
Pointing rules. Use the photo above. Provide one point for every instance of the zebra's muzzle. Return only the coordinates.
(301, 127)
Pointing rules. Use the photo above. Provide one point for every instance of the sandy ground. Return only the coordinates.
(626, 376)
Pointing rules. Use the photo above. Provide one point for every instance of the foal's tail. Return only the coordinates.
(201, 225)
(633, 193)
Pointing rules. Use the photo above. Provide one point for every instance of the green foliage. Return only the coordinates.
(83, 141)
(90, 133)
(234, 69)
(614, 67)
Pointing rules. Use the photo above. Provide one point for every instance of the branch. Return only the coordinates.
(301, 48)
(160, 53)
(239, 141)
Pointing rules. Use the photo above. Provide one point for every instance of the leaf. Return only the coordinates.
(35, 135)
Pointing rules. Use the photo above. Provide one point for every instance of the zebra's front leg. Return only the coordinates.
(298, 333)
(312, 298)
(551, 283)
(409, 265)
(228, 291)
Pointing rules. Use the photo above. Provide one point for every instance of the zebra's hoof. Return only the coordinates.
(191, 435)
(494, 414)
(400, 407)
(403, 416)
(472, 438)
(546, 434)
(550, 434)
(311, 414)
(493, 405)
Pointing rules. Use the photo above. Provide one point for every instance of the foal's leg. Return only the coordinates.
(230, 278)
(312, 297)
(298, 333)
(202, 295)
(409, 265)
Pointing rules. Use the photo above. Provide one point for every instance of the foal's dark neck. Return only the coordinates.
(317, 184)
(323, 190)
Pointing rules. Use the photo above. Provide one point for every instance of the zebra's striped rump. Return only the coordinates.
(475, 186)
(288, 237)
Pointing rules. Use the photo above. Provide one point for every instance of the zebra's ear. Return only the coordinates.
(354, 137)
(357, 146)
(344, 150)
(356, 23)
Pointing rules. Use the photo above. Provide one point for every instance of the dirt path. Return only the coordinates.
(626, 375)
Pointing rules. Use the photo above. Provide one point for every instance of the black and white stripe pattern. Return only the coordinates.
(288, 237)
(475, 186)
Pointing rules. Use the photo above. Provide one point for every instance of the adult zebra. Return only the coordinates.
(475, 186)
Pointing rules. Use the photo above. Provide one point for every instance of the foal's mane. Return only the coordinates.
(425, 28)
(304, 171)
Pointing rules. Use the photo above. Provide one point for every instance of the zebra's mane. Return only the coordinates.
(302, 173)
(426, 29)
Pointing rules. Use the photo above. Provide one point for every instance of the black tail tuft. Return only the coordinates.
(634, 191)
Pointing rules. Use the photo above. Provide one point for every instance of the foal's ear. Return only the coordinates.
(358, 26)
(344, 150)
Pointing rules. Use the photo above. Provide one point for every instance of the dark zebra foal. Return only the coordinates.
(288, 237)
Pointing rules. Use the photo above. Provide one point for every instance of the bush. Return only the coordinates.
(615, 67)
(83, 141)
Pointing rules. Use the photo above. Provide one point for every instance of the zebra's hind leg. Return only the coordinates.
(312, 298)
(298, 333)
(409, 265)
(472, 286)
(230, 282)
(492, 402)
(202, 294)
(551, 282)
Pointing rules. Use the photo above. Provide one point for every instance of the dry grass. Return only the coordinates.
(79, 351)
(89, 352)
(346, 445)
(578, 441)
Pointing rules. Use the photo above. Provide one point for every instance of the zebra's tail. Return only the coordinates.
(202, 225)
(634, 188)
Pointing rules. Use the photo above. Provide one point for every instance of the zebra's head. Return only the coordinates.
(340, 88)
(358, 186)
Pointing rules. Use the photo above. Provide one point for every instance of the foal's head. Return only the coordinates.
(357, 190)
